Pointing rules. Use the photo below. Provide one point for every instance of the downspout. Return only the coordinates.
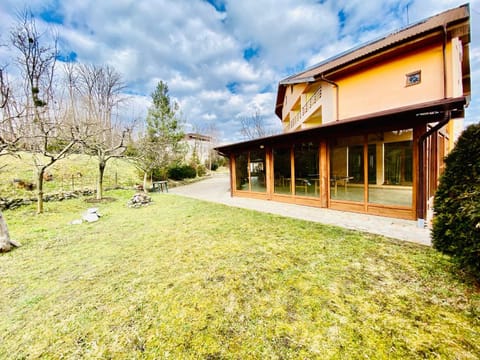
(444, 52)
(322, 77)
(421, 202)
(421, 205)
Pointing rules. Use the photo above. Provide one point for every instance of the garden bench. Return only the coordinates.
(160, 186)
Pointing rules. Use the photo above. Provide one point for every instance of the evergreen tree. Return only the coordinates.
(164, 128)
(162, 143)
(456, 226)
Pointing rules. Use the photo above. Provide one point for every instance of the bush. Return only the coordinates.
(156, 174)
(456, 225)
(159, 174)
(201, 170)
(180, 172)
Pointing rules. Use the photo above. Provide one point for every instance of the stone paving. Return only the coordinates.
(216, 189)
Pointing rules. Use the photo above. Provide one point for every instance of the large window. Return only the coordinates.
(241, 171)
(282, 170)
(250, 171)
(306, 169)
(347, 169)
(257, 171)
(389, 165)
(394, 175)
(398, 163)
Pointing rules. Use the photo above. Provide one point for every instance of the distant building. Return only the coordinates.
(198, 144)
(367, 130)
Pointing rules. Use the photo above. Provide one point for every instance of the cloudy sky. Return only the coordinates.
(223, 59)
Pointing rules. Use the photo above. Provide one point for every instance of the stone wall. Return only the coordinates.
(10, 203)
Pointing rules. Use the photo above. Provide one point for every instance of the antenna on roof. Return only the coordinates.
(408, 20)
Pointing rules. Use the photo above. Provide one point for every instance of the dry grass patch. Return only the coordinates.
(186, 279)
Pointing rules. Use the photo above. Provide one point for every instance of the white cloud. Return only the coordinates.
(200, 52)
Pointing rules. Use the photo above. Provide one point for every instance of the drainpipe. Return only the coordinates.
(421, 205)
(322, 77)
(444, 52)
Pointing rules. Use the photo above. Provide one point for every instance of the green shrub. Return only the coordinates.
(180, 172)
(201, 170)
(220, 161)
(456, 225)
(156, 174)
(159, 174)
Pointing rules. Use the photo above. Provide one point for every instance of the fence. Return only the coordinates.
(64, 182)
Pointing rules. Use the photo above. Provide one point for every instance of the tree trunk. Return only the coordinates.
(40, 173)
(101, 170)
(5, 244)
(145, 175)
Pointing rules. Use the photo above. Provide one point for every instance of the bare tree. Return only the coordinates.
(5, 242)
(43, 127)
(7, 137)
(254, 126)
(95, 91)
(8, 141)
(145, 154)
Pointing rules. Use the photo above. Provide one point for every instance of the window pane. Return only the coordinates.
(398, 163)
(241, 171)
(306, 169)
(394, 168)
(346, 169)
(282, 170)
(257, 171)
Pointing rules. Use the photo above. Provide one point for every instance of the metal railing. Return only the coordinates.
(311, 102)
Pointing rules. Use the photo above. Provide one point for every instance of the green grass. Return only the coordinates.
(185, 279)
(80, 169)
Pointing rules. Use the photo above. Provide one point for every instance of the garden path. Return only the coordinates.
(217, 189)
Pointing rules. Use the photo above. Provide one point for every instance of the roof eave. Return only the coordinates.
(419, 113)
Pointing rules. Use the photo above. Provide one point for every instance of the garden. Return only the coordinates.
(182, 278)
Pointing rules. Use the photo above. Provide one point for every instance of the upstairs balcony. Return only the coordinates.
(305, 112)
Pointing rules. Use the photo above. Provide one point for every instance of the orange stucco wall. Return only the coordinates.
(292, 96)
(383, 86)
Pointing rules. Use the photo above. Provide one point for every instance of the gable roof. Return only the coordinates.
(409, 33)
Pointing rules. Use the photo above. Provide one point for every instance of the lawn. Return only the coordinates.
(186, 279)
(77, 171)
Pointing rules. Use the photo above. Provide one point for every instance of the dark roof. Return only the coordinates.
(395, 119)
(196, 136)
(406, 34)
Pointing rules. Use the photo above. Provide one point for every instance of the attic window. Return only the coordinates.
(413, 78)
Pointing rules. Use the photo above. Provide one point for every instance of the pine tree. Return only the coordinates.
(456, 226)
(162, 143)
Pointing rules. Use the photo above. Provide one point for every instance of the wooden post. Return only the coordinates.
(324, 175)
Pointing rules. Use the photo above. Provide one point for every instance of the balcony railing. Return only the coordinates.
(311, 102)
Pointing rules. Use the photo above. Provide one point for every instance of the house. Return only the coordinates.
(367, 130)
(199, 147)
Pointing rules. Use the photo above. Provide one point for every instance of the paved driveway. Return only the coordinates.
(217, 189)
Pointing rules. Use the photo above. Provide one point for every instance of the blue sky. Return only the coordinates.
(222, 59)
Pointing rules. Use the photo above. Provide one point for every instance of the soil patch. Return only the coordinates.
(100, 201)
